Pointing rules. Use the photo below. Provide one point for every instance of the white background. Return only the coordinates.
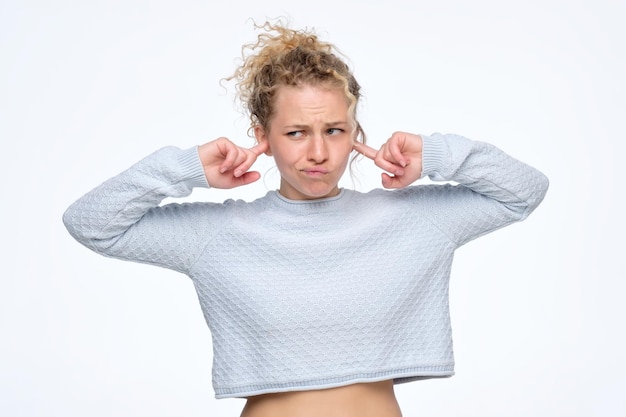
(89, 87)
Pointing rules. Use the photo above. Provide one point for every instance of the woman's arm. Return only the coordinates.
(122, 217)
(487, 189)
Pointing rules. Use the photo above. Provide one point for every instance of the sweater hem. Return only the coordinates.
(399, 376)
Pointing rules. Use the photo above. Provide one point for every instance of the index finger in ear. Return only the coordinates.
(365, 150)
(260, 147)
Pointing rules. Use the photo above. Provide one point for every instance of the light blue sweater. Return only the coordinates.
(305, 295)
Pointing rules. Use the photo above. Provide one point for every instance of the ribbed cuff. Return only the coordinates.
(433, 152)
(191, 168)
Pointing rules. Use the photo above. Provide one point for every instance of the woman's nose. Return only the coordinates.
(318, 152)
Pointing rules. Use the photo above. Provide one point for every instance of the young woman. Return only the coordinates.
(319, 299)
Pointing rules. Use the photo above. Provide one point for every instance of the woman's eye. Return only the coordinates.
(334, 131)
(295, 134)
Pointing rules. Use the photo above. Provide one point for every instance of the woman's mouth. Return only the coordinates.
(315, 172)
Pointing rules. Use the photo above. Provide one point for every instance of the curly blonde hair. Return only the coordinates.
(286, 57)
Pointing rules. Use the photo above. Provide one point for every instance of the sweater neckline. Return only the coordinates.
(316, 205)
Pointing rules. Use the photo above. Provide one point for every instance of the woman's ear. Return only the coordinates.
(261, 136)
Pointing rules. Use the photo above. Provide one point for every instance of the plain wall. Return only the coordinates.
(89, 87)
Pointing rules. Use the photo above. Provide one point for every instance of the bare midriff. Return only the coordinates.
(376, 399)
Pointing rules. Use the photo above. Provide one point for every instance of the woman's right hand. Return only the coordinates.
(226, 165)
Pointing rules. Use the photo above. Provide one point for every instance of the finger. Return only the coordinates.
(248, 157)
(230, 160)
(244, 165)
(229, 151)
(396, 144)
(260, 147)
(385, 161)
(365, 150)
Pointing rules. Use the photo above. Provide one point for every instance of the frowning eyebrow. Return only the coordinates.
(330, 124)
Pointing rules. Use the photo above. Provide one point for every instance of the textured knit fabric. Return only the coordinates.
(314, 294)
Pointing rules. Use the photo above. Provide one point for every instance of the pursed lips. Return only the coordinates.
(315, 171)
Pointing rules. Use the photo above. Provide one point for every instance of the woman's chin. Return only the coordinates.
(309, 193)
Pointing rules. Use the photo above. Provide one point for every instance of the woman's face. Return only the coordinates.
(310, 137)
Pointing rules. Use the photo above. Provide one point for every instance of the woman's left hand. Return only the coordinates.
(400, 156)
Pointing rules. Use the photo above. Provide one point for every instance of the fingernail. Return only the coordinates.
(238, 173)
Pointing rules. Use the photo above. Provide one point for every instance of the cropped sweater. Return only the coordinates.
(302, 295)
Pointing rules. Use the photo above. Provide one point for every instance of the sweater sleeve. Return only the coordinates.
(486, 190)
(122, 218)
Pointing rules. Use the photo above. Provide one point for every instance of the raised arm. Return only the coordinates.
(485, 188)
(123, 218)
